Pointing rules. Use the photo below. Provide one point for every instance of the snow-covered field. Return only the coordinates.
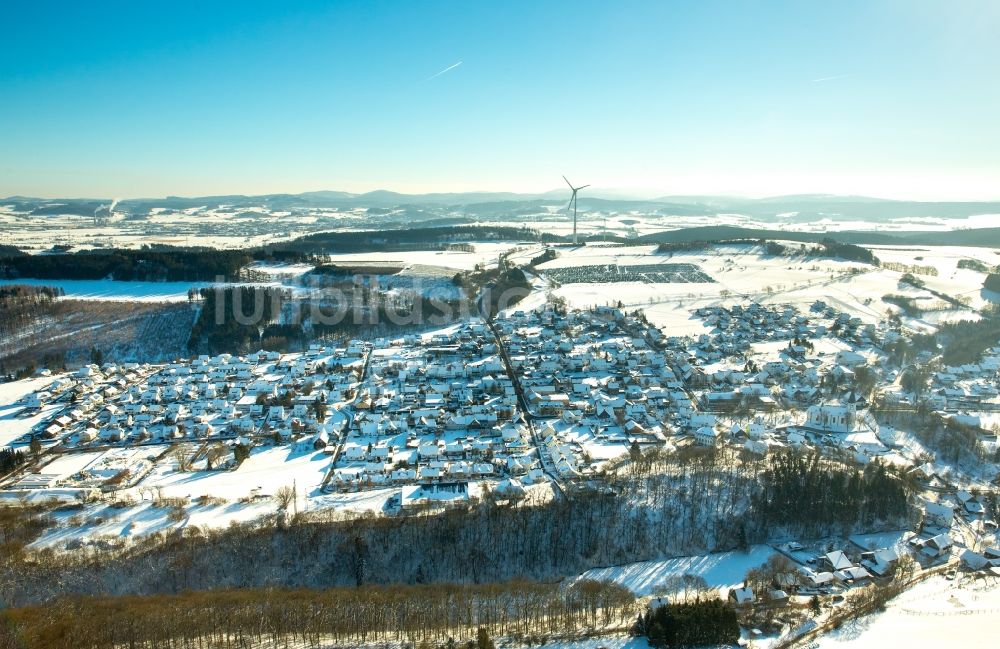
(640, 223)
(281, 270)
(935, 613)
(603, 642)
(104, 522)
(486, 253)
(722, 570)
(218, 228)
(12, 425)
(106, 289)
(266, 470)
(741, 272)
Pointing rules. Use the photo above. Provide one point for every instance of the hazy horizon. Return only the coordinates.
(891, 98)
(609, 193)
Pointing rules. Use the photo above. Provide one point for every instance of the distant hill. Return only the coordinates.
(776, 209)
(978, 237)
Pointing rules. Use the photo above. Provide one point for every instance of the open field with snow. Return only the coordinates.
(15, 420)
(219, 228)
(742, 272)
(115, 291)
(264, 472)
(935, 613)
(486, 253)
(722, 570)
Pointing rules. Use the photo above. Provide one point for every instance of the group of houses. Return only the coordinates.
(226, 398)
(434, 409)
(532, 395)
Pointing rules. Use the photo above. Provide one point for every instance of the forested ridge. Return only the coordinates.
(422, 238)
(171, 265)
(965, 341)
(21, 305)
(147, 264)
(232, 318)
(795, 483)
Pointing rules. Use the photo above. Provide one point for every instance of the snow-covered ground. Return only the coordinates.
(935, 613)
(722, 570)
(640, 223)
(741, 272)
(105, 289)
(280, 269)
(486, 253)
(102, 521)
(12, 424)
(603, 642)
(266, 470)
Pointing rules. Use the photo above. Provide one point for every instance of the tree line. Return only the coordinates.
(849, 251)
(808, 489)
(828, 247)
(10, 460)
(691, 624)
(975, 264)
(423, 238)
(175, 265)
(414, 615)
(21, 305)
(232, 319)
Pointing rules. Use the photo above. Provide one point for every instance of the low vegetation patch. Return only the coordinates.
(975, 264)
(648, 273)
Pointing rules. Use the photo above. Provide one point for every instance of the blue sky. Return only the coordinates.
(896, 98)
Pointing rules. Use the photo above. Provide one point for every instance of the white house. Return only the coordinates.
(832, 418)
(706, 436)
(938, 514)
(741, 596)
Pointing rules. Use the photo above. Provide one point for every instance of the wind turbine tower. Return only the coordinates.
(572, 202)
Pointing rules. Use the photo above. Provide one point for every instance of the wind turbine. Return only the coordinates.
(572, 201)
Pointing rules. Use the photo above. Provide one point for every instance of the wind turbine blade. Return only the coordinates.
(569, 183)
(581, 187)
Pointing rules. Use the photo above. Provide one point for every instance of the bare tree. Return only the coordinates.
(284, 495)
(182, 457)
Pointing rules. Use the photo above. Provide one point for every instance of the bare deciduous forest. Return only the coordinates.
(663, 505)
(340, 615)
(38, 330)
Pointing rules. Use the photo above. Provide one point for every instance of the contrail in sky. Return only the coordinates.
(836, 76)
(447, 69)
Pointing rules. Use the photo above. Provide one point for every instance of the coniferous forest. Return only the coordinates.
(691, 624)
(170, 265)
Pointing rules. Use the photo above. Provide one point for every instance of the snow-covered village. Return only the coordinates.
(518, 325)
(547, 403)
(534, 401)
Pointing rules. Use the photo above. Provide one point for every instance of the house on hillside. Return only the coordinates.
(936, 546)
(880, 562)
(938, 514)
(837, 560)
(706, 436)
(973, 560)
(832, 418)
(741, 596)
